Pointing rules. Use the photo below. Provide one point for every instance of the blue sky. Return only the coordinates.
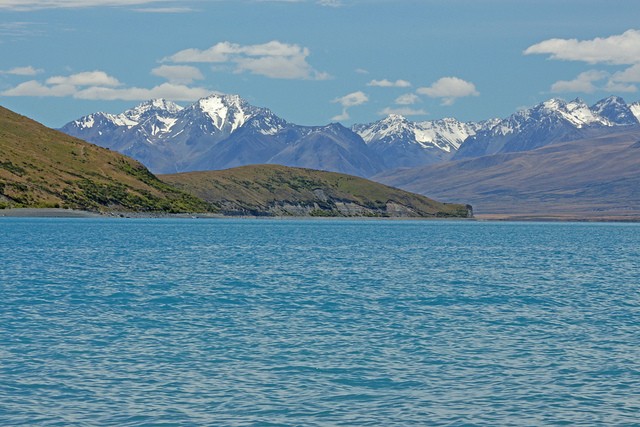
(317, 61)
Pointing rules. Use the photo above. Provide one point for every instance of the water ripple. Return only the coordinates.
(318, 323)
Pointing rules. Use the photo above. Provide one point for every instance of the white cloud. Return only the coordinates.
(630, 75)
(174, 92)
(35, 88)
(26, 5)
(388, 83)
(584, 82)
(280, 67)
(273, 59)
(613, 86)
(449, 89)
(592, 81)
(350, 100)
(97, 85)
(178, 73)
(342, 116)
(407, 99)
(361, 71)
(219, 52)
(403, 111)
(619, 49)
(87, 78)
(23, 71)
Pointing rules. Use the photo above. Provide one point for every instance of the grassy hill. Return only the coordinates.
(280, 190)
(44, 168)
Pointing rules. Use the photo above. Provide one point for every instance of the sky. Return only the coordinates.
(317, 61)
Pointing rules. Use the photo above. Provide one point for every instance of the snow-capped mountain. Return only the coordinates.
(222, 131)
(403, 143)
(155, 109)
(551, 121)
(635, 110)
(615, 110)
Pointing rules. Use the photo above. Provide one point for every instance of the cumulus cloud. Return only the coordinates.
(59, 86)
(630, 75)
(87, 78)
(596, 80)
(584, 82)
(26, 5)
(98, 85)
(617, 49)
(350, 100)
(23, 71)
(407, 99)
(620, 49)
(613, 86)
(273, 59)
(175, 92)
(403, 111)
(388, 83)
(449, 89)
(35, 88)
(178, 73)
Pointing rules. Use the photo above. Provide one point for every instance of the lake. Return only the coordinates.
(181, 322)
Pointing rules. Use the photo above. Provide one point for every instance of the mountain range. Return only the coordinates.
(223, 131)
(220, 132)
(552, 121)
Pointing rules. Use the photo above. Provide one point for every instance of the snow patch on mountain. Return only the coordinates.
(576, 112)
(221, 131)
(635, 109)
(446, 134)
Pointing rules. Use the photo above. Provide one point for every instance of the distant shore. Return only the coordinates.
(75, 213)
(557, 217)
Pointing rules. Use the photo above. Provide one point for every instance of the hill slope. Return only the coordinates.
(279, 190)
(44, 168)
(597, 177)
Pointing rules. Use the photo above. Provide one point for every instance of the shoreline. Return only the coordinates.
(75, 213)
(555, 217)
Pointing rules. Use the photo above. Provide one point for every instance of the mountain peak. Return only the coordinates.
(395, 118)
(156, 104)
(616, 110)
(225, 111)
(158, 107)
(553, 104)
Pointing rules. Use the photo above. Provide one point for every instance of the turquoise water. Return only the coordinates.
(116, 322)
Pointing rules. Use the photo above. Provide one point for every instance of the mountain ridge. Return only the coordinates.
(585, 178)
(222, 131)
